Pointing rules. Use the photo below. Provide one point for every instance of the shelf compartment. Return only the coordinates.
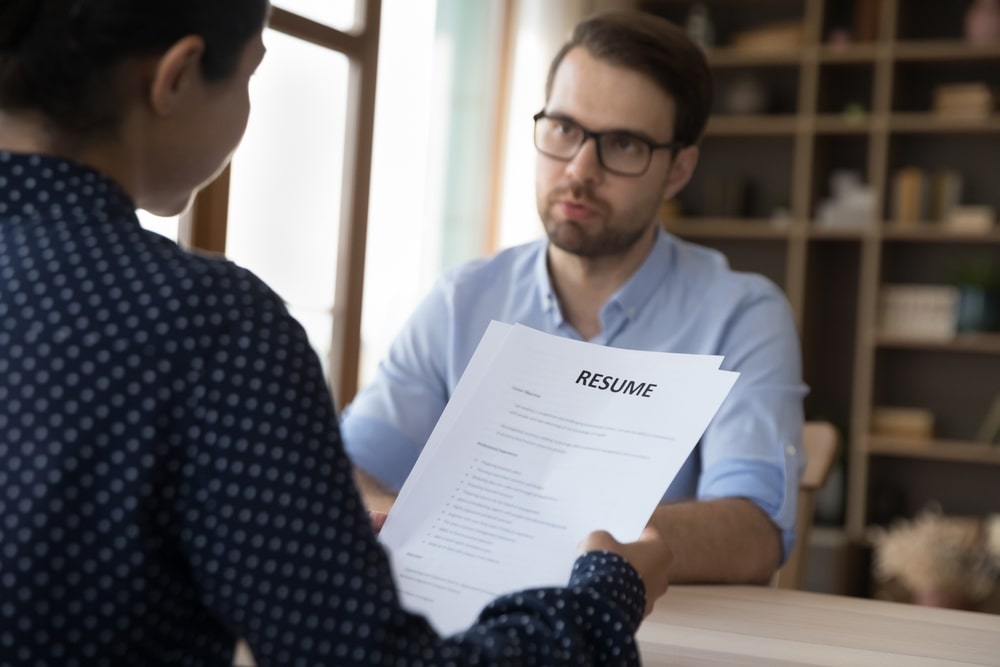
(846, 85)
(925, 263)
(957, 482)
(730, 182)
(829, 322)
(765, 254)
(973, 155)
(915, 82)
(958, 387)
(730, 18)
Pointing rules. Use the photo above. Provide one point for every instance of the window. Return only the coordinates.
(293, 205)
(287, 177)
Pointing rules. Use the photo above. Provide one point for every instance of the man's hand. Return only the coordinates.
(721, 541)
(649, 555)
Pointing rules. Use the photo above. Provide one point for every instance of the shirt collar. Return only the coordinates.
(629, 299)
(546, 295)
(45, 187)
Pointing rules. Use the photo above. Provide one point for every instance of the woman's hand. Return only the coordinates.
(649, 555)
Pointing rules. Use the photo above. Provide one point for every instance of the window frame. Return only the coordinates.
(204, 228)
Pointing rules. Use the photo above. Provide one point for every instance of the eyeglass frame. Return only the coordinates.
(596, 136)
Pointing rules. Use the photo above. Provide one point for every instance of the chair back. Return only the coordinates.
(820, 442)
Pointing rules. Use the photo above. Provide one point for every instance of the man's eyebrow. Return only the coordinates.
(638, 134)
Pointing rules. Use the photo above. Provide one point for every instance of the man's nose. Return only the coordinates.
(586, 164)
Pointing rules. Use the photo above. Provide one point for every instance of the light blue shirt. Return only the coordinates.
(684, 298)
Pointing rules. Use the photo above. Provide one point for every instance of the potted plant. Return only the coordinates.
(942, 561)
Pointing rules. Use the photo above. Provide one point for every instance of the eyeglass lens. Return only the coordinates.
(617, 151)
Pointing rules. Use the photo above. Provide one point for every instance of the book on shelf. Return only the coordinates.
(964, 100)
(989, 429)
(971, 219)
(925, 312)
(944, 194)
(908, 196)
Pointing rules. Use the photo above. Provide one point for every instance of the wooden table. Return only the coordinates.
(705, 626)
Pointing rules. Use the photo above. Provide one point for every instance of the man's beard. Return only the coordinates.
(571, 236)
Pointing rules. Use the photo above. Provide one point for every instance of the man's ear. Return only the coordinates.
(685, 160)
(174, 73)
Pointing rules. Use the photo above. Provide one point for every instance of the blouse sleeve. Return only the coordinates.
(281, 548)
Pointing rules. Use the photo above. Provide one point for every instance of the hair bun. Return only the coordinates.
(16, 18)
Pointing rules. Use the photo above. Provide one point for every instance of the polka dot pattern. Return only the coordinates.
(172, 476)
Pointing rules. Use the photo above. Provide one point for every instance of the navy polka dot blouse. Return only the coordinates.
(172, 477)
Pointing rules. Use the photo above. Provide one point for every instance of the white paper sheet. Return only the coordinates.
(544, 440)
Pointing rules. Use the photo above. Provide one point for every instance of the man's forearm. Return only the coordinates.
(375, 496)
(729, 540)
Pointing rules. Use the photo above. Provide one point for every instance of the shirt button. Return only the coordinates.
(790, 450)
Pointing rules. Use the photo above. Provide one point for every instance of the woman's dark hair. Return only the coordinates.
(656, 48)
(57, 57)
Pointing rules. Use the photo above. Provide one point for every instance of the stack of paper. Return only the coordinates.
(544, 440)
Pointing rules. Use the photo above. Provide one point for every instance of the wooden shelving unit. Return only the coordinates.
(865, 106)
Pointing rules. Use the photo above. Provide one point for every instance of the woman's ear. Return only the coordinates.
(176, 71)
(685, 160)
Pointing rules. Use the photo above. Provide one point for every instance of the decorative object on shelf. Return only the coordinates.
(989, 429)
(920, 196)
(907, 423)
(978, 307)
(908, 196)
(670, 210)
(781, 215)
(971, 219)
(942, 561)
(982, 22)
(840, 39)
(852, 203)
(944, 194)
(746, 95)
(972, 100)
(831, 499)
(855, 112)
(780, 37)
(727, 196)
(925, 312)
(699, 26)
(866, 20)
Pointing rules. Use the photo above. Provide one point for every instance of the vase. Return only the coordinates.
(982, 22)
(978, 309)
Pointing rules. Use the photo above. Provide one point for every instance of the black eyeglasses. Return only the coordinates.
(619, 152)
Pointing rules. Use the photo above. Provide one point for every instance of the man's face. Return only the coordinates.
(585, 209)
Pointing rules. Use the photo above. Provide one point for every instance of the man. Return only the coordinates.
(627, 99)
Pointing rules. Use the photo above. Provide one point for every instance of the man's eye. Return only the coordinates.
(623, 143)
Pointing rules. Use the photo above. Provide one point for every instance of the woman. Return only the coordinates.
(171, 468)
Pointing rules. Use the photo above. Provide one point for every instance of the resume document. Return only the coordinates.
(544, 440)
